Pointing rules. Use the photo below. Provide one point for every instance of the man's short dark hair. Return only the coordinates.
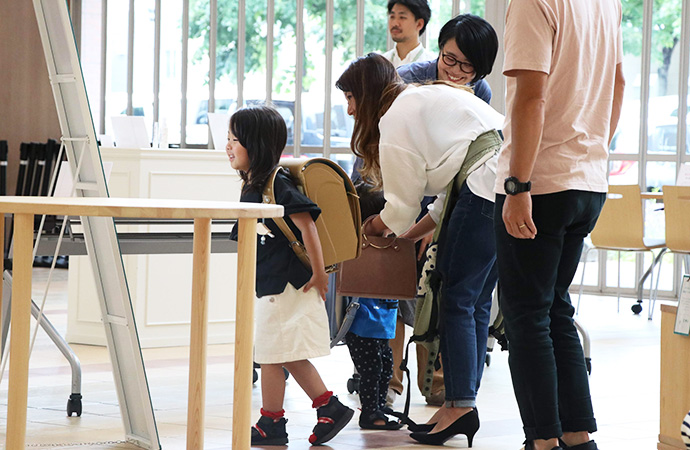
(476, 39)
(419, 8)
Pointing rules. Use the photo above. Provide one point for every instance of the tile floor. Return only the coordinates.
(624, 382)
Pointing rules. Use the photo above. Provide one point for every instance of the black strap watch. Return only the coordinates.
(513, 186)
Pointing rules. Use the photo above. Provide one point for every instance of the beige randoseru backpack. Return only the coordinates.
(338, 225)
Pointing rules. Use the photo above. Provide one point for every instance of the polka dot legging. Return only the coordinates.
(373, 360)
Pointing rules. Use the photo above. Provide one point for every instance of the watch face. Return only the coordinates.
(510, 186)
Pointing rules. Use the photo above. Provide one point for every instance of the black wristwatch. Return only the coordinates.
(513, 186)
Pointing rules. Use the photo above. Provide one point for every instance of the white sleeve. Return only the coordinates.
(436, 208)
(404, 179)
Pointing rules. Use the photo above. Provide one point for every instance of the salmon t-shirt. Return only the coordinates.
(578, 44)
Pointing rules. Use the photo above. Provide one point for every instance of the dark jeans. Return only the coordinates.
(467, 266)
(546, 359)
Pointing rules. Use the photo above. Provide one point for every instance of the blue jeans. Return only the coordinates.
(546, 360)
(467, 266)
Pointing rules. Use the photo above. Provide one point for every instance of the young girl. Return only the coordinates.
(292, 324)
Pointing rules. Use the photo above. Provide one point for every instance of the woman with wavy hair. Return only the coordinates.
(414, 140)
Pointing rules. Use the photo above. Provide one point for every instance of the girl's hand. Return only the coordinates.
(310, 235)
(319, 281)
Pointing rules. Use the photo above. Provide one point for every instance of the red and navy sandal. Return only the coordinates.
(268, 431)
(332, 417)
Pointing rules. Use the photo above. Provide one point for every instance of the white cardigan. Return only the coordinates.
(424, 139)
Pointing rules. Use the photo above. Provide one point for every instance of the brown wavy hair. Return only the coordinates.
(374, 83)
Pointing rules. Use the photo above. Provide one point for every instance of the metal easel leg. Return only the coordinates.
(74, 404)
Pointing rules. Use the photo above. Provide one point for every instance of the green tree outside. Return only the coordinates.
(344, 33)
(665, 33)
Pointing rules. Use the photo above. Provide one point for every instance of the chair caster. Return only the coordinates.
(74, 405)
(636, 308)
(588, 364)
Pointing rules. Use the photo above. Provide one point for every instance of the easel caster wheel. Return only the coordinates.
(74, 405)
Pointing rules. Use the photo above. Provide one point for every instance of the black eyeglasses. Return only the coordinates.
(450, 61)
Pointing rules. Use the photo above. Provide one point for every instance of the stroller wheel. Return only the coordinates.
(353, 383)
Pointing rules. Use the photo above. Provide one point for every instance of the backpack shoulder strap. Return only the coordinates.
(268, 196)
(485, 146)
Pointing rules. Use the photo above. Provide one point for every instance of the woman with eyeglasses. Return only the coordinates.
(468, 46)
(414, 140)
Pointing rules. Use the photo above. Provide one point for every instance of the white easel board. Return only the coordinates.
(683, 314)
(218, 123)
(683, 175)
(130, 132)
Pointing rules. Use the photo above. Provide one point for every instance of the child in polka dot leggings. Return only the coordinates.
(368, 337)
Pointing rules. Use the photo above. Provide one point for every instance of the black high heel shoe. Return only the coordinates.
(467, 425)
(421, 427)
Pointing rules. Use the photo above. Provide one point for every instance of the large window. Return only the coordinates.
(646, 148)
(173, 61)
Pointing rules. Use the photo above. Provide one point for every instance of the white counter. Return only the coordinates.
(160, 285)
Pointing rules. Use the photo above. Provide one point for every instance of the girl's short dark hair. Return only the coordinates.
(262, 131)
(476, 39)
(419, 8)
(371, 201)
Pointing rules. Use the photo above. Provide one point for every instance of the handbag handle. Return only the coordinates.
(365, 240)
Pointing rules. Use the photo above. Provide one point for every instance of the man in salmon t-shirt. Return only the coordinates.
(551, 185)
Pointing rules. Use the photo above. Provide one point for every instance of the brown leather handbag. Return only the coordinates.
(386, 268)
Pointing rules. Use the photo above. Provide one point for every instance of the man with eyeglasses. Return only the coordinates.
(469, 45)
(407, 20)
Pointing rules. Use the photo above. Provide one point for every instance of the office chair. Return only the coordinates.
(677, 212)
(620, 228)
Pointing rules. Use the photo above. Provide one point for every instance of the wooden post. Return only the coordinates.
(18, 385)
(244, 333)
(198, 334)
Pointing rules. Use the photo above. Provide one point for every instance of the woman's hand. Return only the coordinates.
(319, 281)
(375, 227)
(423, 244)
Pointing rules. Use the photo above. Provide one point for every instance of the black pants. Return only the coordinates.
(373, 360)
(546, 360)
